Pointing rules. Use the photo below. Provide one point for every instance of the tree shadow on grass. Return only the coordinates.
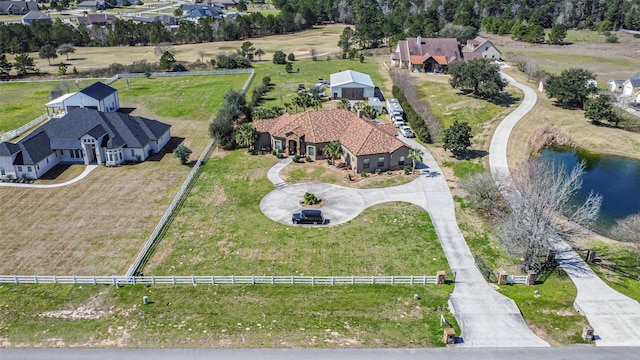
(503, 99)
(171, 145)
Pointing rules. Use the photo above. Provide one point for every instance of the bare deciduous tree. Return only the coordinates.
(628, 230)
(541, 210)
(485, 193)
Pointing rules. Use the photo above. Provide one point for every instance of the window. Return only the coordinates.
(380, 162)
(311, 151)
(365, 163)
(277, 144)
(28, 168)
(2, 172)
(110, 157)
(19, 168)
(47, 160)
(401, 161)
(133, 153)
(72, 155)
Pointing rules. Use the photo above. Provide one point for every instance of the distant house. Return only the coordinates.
(83, 136)
(93, 5)
(426, 55)
(615, 86)
(632, 86)
(366, 146)
(166, 20)
(351, 85)
(196, 12)
(34, 16)
(97, 19)
(482, 46)
(98, 96)
(225, 4)
(17, 7)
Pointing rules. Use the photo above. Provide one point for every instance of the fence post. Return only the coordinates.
(292, 281)
(353, 280)
(153, 279)
(313, 280)
(373, 280)
(193, 280)
(213, 280)
(55, 280)
(333, 280)
(253, 280)
(173, 280)
(94, 280)
(74, 279)
(233, 280)
(411, 279)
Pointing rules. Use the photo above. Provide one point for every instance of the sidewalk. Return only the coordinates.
(86, 172)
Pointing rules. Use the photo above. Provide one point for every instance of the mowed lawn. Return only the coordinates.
(220, 230)
(98, 225)
(223, 316)
(21, 102)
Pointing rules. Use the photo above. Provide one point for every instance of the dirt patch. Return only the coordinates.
(95, 307)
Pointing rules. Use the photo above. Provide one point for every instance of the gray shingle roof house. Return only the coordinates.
(17, 7)
(34, 16)
(83, 136)
(97, 96)
(195, 12)
(93, 5)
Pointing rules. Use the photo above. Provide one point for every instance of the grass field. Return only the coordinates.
(623, 261)
(222, 316)
(24, 101)
(98, 225)
(221, 230)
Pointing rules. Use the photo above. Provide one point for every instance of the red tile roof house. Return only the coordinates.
(366, 146)
(428, 54)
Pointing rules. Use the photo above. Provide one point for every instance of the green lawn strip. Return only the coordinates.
(184, 97)
(449, 105)
(224, 316)
(286, 84)
(624, 273)
(464, 168)
(24, 101)
(550, 313)
(220, 230)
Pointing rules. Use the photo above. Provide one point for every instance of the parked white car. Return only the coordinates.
(406, 131)
(398, 123)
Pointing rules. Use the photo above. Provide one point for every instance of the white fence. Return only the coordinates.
(176, 200)
(12, 134)
(182, 73)
(518, 279)
(220, 280)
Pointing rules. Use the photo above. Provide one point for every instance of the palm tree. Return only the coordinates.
(317, 103)
(344, 104)
(315, 91)
(287, 107)
(246, 136)
(333, 150)
(415, 155)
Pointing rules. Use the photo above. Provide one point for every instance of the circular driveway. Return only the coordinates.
(340, 204)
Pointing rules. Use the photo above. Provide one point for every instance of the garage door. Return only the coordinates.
(353, 93)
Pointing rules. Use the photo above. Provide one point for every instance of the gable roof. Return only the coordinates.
(446, 48)
(635, 82)
(636, 75)
(36, 15)
(359, 136)
(350, 76)
(477, 42)
(98, 90)
(17, 7)
(97, 19)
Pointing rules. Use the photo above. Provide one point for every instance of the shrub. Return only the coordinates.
(378, 171)
(330, 162)
(611, 39)
(363, 174)
(280, 155)
(310, 199)
(308, 159)
(388, 172)
(291, 57)
(408, 170)
(350, 177)
(279, 57)
(296, 158)
(273, 152)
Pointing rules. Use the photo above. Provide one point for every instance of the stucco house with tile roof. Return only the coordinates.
(84, 136)
(426, 54)
(366, 146)
(483, 46)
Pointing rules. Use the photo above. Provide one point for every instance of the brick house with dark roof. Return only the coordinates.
(366, 146)
(429, 54)
(84, 136)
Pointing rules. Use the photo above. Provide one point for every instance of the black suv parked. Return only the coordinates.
(308, 217)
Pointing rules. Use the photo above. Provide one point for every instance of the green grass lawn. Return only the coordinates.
(185, 97)
(220, 230)
(449, 105)
(286, 84)
(464, 168)
(550, 313)
(625, 273)
(24, 101)
(223, 316)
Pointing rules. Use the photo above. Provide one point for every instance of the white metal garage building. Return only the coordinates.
(351, 85)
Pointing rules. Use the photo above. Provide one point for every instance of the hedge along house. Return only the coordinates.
(97, 96)
(351, 85)
(84, 136)
(366, 146)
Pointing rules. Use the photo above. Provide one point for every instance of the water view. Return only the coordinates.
(616, 178)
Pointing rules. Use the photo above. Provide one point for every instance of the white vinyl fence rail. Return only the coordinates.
(220, 280)
(12, 134)
(517, 279)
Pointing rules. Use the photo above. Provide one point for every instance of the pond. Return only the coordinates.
(616, 178)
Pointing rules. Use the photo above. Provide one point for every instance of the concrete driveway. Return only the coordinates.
(614, 317)
(486, 317)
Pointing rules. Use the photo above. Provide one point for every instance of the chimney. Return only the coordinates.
(419, 40)
(360, 113)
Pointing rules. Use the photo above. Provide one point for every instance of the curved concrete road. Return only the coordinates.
(86, 172)
(614, 317)
(486, 317)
